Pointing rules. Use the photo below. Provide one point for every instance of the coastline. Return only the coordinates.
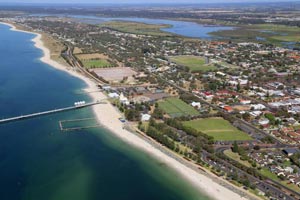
(108, 116)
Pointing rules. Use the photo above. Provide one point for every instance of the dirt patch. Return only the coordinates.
(77, 50)
(92, 56)
(114, 74)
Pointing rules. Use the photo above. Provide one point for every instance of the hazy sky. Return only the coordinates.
(138, 1)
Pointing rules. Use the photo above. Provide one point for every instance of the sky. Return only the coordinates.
(139, 1)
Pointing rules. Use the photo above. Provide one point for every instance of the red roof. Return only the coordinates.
(228, 108)
(207, 93)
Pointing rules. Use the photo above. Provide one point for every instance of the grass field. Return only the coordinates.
(218, 128)
(236, 157)
(94, 60)
(96, 63)
(137, 28)
(194, 63)
(282, 32)
(176, 108)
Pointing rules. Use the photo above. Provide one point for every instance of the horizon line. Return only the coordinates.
(149, 3)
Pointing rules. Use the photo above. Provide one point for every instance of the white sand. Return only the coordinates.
(108, 116)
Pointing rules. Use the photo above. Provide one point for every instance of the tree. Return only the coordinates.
(246, 182)
(235, 147)
(256, 147)
(281, 177)
(213, 86)
(270, 117)
(246, 116)
(158, 113)
(268, 139)
(238, 87)
(131, 114)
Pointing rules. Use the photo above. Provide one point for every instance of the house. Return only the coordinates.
(220, 73)
(207, 95)
(124, 99)
(196, 105)
(297, 182)
(290, 152)
(140, 99)
(243, 82)
(113, 95)
(140, 90)
(228, 108)
(233, 83)
(145, 117)
(264, 122)
(289, 170)
(255, 113)
(281, 174)
(258, 107)
(293, 134)
(106, 87)
(245, 102)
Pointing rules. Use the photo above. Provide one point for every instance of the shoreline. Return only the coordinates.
(108, 116)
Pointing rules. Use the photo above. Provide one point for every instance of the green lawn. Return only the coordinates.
(236, 157)
(284, 33)
(218, 128)
(266, 172)
(97, 63)
(137, 28)
(176, 108)
(194, 63)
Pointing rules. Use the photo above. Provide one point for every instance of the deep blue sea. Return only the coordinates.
(39, 162)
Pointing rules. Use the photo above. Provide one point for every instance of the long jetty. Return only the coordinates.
(23, 117)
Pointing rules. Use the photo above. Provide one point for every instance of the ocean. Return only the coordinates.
(40, 162)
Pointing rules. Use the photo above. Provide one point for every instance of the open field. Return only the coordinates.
(77, 50)
(194, 63)
(115, 73)
(236, 157)
(94, 60)
(96, 64)
(176, 108)
(227, 65)
(90, 56)
(137, 28)
(218, 128)
(281, 32)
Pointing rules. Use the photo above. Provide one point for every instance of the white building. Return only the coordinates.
(196, 105)
(145, 117)
(113, 95)
(124, 99)
(258, 106)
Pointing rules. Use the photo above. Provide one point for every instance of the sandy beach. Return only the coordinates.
(109, 117)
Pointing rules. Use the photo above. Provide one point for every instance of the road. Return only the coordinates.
(71, 59)
(267, 185)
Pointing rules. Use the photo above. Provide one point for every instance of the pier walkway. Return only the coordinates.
(22, 117)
